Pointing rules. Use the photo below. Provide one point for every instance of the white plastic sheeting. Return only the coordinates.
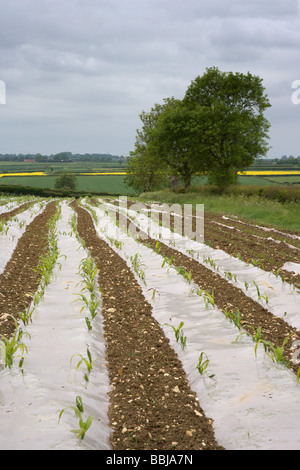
(280, 298)
(10, 205)
(265, 229)
(255, 403)
(293, 267)
(30, 403)
(15, 229)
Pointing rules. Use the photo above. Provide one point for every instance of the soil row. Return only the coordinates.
(8, 215)
(269, 250)
(227, 297)
(261, 246)
(151, 403)
(20, 280)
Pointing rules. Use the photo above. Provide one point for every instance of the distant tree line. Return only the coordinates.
(63, 156)
(217, 129)
(284, 160)
(20, 157)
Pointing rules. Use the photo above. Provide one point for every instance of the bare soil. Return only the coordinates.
(151, 403)
(20, 280)
(228, 297)
(9, 214)
(268, 248)
(152, 406)
(255, 244)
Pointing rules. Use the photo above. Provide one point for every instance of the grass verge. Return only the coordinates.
(255, 207)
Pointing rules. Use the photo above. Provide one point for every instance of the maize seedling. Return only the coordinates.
(12, 345)
(275, 353)
(203, 362)
(179, 335)
(209, 299)
(88, 362)
(26, 315)
(89, 271)
(187, 275)
(137, 266)
(257, 289)
(83, 425)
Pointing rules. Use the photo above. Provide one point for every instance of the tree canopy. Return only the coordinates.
(217, 129)
(66, 181)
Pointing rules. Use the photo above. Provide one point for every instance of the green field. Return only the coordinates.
(101, 184)
(114, 184)
(257, 180)
(60, 167)
(254, 180)
(245, 200)
(288, 179)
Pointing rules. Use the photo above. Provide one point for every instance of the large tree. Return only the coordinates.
(143, 173)
(146, 170)
(218, 129)
(173, 140)
(231, 127)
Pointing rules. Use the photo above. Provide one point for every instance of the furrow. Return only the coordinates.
(242, 386)
(146, 411)
(249, 242)
(19, 280)
(9, 214)
(227, 297)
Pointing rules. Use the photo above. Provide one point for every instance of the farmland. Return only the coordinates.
(123, 315)
(111, 184)
(108, 177)
(114, 183)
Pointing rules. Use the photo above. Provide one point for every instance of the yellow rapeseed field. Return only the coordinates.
(105, 173)
(270, 172)
(243, 173)
(37, 173)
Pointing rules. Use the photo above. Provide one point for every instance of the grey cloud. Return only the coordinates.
(231, 8)
(84, 70)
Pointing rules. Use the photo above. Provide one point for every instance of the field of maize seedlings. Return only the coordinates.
(120, 330)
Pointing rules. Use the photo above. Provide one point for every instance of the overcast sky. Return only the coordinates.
(79, 72)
